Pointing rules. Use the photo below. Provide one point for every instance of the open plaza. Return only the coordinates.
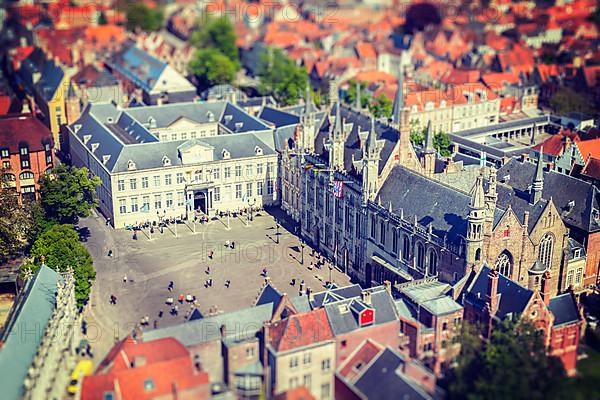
(139, 271)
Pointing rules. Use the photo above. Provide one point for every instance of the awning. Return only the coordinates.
(403, 274)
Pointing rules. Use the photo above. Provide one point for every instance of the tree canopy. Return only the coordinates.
(61, 248)
(381, 106)
(442, 143)
(218, 34)
(68, 193)
(513, 364)
(281, 77)
(213, 67)
(566, 100)
(140, 16)
(351, 93)
(15, 222)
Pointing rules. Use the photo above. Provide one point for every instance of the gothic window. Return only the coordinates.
(405, 247)
(432, 263)
(420, 256)
(394, 242)
(382, 232)
(546, 246)
(504, 264)
(478, 254)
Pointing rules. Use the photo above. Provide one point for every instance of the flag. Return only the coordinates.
(338, 188)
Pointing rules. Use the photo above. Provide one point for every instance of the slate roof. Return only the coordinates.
(382, 381)
(344, 322)
(573, 245)
(335, 294)
(52, 76)
(432, 296)
(123, 134)
(564, 309)
(240, 325)
(562, 188)
(512, 297)
(432, 203)
(278, 117)
(31, 312)
(355, 123)
(270, 295)
(138, 66)
(519, 202)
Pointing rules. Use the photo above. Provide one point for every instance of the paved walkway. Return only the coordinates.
(150, 265)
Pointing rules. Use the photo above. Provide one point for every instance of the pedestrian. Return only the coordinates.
(110, 253)
(227, 283)
(264, 271)
(293, 282)
(113, 299)
(170, 287)
(210, 282)
(208, 270)
(210, 254)
(181, 298)
(134, 235)
(160, 314)
(311, 266)
(124, 279)
(227, 243)
(233, 245)
(155, 324)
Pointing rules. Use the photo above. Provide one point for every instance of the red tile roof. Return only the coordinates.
(15, 129)
(298, 393)
(592, 168)
(555, 144)
(497, 80)
(589, 148)
(375, 76)
(365, 51)
(459, 76)
(592, 75)
(147, 370)
(300, 330)
(363, 355)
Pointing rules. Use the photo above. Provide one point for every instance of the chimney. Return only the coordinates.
(526, 219)
(366, 297)
(491, 296)
(388, 286)
(546, 288)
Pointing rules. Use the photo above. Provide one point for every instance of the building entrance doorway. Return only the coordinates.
(200, 202)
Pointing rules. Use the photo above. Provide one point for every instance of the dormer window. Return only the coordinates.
(258, 151)
(86, 138)
(429, 106)
(24, 151)
(210, 117)
(226, 154)
(228, 118)
(95, 147)
(105, 158)
(238, 125)
(130, 165)
(166, 161)
(152, 122)
(576, 253)
(76, 128)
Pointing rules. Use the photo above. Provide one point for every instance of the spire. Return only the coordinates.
(477, 195)
(308, 106)
(358, 101)
(538, 180)
(372, 138)
(399, 100)
(429, 139)
(71, 91)
(337, 127)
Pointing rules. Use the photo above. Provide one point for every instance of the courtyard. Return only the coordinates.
(181, 254)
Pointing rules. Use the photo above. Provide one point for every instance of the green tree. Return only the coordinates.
(442, 143)
(513, 365)
(212, 67)
(381, 106)
(566, 100)
(143, 17)
(61, 248)
(351, 93)
(39, 222)
(417, 134)
(281, 77)
(15, 222)
(217, 33)
(68, 193)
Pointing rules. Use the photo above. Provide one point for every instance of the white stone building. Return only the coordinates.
(175, 160)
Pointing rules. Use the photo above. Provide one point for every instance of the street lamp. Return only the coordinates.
(277, 233)
(330, 273)
(301, 252)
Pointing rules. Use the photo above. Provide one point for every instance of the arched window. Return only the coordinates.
(432, 263)
(394, 241)
(406, 247)
(546, 247)
(504, 264)
(26, 175)
(478, 254)
(10, 177)
(382, 232)
(420, 256)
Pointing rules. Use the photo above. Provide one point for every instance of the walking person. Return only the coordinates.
(124, 279)
(232, 245)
